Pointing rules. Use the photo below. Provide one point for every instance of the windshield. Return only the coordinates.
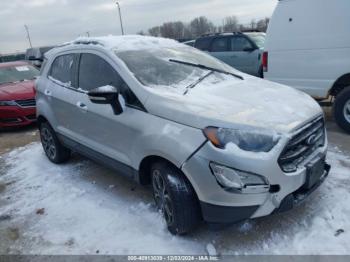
(152, 67)
(258, 38)
(17, 73)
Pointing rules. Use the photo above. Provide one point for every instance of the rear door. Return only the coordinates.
(60, 92)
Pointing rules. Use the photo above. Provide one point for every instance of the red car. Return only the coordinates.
(17, 94)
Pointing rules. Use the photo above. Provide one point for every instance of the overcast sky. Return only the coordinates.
(57, 21)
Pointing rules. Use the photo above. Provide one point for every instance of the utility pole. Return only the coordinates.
(120, 18)
(28, 36)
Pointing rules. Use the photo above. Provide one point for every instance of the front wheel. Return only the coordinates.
(341, 109)
(53, 148)
(175, 197)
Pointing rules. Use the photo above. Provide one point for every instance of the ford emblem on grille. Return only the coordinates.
(311, 140)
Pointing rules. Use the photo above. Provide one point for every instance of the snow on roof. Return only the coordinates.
(128, 42)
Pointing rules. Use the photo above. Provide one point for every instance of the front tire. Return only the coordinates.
(53, 148)
(175, 197)
(341, 109)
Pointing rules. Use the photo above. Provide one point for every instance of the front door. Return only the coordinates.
(102, 130)
(244, 56)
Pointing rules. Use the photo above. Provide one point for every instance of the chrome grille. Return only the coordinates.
(303, 143)
(26, 103)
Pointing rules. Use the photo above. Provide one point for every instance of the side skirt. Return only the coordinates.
(116, 165)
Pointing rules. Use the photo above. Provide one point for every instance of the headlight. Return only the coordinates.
(247, 139)
(8, 103)
(233, 179)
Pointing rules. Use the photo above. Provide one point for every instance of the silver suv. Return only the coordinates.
(215, 144)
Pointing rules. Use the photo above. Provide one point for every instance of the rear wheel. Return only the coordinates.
(175, 197)
(53, 148)
(341, 109)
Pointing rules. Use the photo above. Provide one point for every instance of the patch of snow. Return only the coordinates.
(211, 249)
(82, 218)
(68, 84)
(107, 88)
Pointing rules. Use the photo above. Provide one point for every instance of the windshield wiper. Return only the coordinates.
(197, 82)
(206, 67)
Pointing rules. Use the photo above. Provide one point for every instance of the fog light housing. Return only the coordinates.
(239, 181)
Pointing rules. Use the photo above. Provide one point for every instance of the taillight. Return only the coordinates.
(265, 61)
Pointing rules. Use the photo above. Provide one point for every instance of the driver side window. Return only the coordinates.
(96, 72)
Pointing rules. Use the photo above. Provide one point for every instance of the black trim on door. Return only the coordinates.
(116, 165)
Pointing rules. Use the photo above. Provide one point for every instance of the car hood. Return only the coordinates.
(17, 91)
(226, 101)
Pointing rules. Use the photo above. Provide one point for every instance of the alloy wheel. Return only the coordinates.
(162, 197)
(347, 111)
(48, 143)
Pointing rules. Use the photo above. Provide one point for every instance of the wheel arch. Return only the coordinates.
(41, 119)
(144, 172)
(145, 167)
(339, 85)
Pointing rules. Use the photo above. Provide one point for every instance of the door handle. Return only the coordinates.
(82, 106)
(48, 92)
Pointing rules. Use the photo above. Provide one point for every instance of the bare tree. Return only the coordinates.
(262, 24)
(154, 31)
(253, 24)
(167, 30)
(201, 25)
(173, 30)
(230, 24)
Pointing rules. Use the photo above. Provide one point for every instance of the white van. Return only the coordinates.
(308, 47)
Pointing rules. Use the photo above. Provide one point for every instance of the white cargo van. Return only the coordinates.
(308, 47)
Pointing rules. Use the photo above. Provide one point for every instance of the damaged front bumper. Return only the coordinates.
(220, 206)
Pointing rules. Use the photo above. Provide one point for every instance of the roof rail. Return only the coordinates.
(210, 34)
(86, 42)
(251, 31)
(235, 32)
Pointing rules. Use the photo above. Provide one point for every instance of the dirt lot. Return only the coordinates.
(83, 208)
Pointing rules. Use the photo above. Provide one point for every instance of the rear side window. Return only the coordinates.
(239, 43)
(203, 44)
(220, 45)
(96, 72)
(62, 69)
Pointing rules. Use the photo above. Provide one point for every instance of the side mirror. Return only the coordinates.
(249, 49)
(106, 95)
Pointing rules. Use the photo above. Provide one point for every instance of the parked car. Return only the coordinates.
(36, 54)
(310, 51)
(17, 96)
(214, 143)
(242, 51)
